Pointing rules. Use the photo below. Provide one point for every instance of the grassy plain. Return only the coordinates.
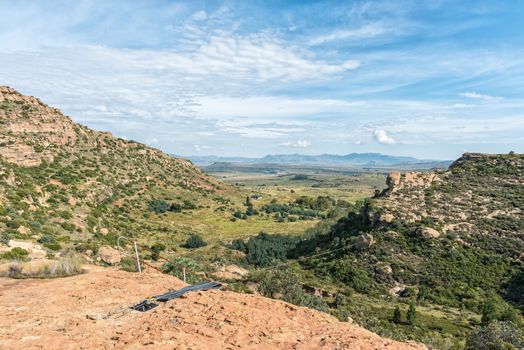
(213, 220)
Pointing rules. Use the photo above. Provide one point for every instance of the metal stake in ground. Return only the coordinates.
(137, 258)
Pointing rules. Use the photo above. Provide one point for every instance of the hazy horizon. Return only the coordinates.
(428, 80)
(298, 154)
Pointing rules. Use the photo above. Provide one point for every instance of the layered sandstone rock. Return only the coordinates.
(28, 127)
(79, 312)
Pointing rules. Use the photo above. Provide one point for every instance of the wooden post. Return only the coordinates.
(137, 258)
(184, 273)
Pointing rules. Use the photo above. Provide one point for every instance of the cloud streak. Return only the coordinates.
(478, 96)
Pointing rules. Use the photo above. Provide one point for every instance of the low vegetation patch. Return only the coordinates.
(17, 253)
(63, 267)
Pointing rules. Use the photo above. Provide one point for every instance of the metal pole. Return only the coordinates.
(118, 241)
(137, 258)
(184, 273)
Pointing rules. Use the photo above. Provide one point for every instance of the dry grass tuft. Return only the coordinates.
(66, 266)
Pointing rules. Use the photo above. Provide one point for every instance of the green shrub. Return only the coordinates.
(189, 205)
(496, 336)
(128, 264)
(412, 313)
(397, 315)
(194, 272)
(46, 239)
(286, 284)
(16, 253)
(194, 241)
(5, 238)
(175, 208)
(156, 249)
(158, 206)
(53, 246)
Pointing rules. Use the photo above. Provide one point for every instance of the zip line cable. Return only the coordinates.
(301, 259)
(309, 257)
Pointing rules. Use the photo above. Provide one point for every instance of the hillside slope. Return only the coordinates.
(458, 233)
(451, 241)
(480, 200)
(52, 314)
(65, 181)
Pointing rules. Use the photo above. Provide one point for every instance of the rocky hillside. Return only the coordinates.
(62, 182)
(458, 232)
(448, 240)
(479, 200)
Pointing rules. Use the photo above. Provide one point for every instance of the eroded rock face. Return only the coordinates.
(28, 127)
(397, 181)
(24, 155)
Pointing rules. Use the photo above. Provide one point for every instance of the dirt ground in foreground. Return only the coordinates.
(67, 313)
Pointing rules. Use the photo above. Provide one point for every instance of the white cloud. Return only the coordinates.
(200, 148)
(478, 96)
(260, 57)
(269, 106)
(257, 129)
(297, 144)
(381, 136)
(366, 31)
(199, 15)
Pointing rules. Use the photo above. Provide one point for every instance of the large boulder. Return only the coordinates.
(428, 232)
(109, 255)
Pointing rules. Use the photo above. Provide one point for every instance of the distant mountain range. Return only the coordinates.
(352, 159)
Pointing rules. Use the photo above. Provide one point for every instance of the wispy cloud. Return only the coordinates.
(364, 32)
(297, 144)
(478, 96)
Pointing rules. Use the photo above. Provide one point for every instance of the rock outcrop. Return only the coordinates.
(477, 195)
(428, 232)
(79, 312)
(29, 127)
(397, 181)
(109, 255)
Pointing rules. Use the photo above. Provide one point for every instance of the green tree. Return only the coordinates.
(412, 313)
(397, 315)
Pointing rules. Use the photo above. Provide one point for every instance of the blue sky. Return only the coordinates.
(429, 79)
